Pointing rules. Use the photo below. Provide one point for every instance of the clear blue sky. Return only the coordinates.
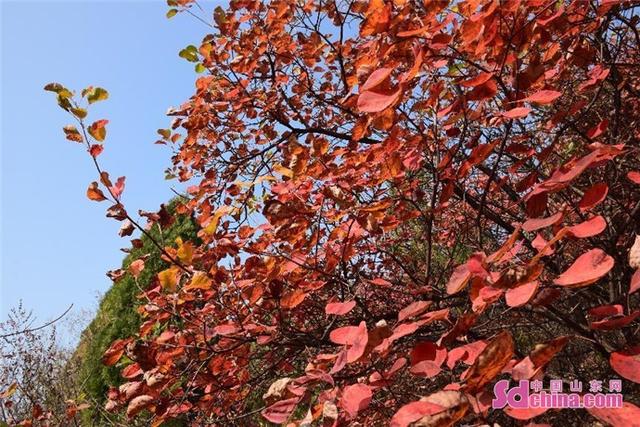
(56, 244)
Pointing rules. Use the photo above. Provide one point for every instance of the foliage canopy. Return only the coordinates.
(327, 145)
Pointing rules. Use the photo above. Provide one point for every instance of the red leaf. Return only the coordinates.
(426, 359)
(355, 398)
(627, 416)
(378, 281)
(518, 296)
(413, 309)
(627, 363)
(543, 97)
(339, 308)
(343, 335)
(376, 78)
(132, 371)
(114, 352)
(466, 353)
(593, 196)
(226, 329)
(413, 411)
(598, 130)
(477, 80)
(603, 311)
(118, 188)
(591, 227)
(538, 223)
(614, 322)
(354, 337)
(484, 91)
(524, 413)
(587, 269)
(373, 102)
(280, 412)
(634, 176)
(95, 150)
(136, 267)
(139, 403)
(459, 279)
(517, 113)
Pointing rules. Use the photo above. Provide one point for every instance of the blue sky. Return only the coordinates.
(56, 244)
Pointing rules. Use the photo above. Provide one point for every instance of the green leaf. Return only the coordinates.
(190, 53)
(200, 68)
(171, 13)
(97, 94)
(219, 16)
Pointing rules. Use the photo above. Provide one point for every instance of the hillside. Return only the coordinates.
(117, 317)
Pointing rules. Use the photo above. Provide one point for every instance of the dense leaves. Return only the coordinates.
(450, 183)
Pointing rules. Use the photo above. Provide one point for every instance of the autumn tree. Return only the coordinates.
(400, 202)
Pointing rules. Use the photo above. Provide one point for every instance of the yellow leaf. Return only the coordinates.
(199, 281)
(9, 392)
(213, 223)
(283, 171)
(185, 251)
(169, 278)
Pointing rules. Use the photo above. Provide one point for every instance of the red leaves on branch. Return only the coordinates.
(382, 186)
(355, 339)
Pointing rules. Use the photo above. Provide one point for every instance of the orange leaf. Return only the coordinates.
(490, 362)
(114, 353)
(94, 193)
(98, 130)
